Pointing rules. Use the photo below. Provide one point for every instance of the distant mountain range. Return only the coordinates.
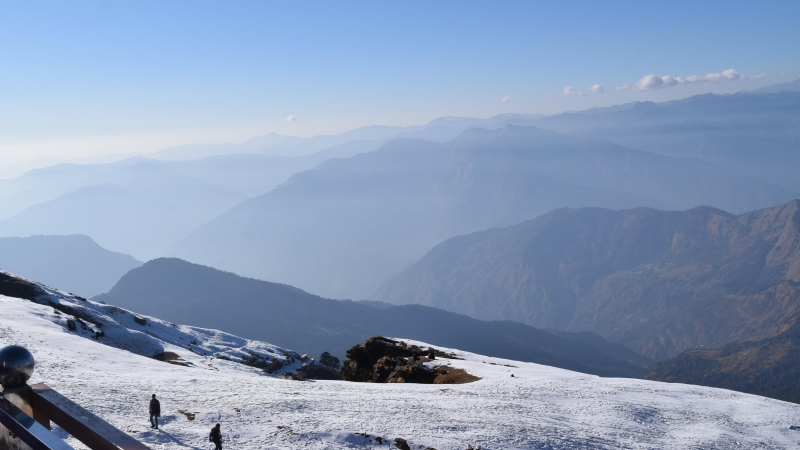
(138, 175)
(658, 282)
(768, 365)
(114, 217)
(359, 207)
(138, 206)
(273, 144)
(755, 134)
(255, 174)
(72, 263)
(779, 87)
(181, 292)
(165, 200)
(348, 225)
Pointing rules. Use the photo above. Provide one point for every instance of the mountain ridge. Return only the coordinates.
(766, 365)
(659, 282)
(74, 263)
(197, 295)
(752, 133)
(346, 226)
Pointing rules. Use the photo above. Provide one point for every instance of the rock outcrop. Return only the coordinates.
(383, 360)
(312, 372)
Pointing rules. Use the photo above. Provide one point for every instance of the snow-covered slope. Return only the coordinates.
(539, 407)
(148, 336)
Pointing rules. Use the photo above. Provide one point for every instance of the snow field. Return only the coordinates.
(539, 408)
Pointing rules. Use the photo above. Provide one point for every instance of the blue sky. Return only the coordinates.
(82, 78)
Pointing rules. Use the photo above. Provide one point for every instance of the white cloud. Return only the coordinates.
(650, 82)
(624, 87)
(291, 119)
(669, 80)
(507, 99)
(569, 90)
(725, 75)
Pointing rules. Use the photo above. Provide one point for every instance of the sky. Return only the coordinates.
(87, 78)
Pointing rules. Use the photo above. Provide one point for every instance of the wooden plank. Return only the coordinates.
(18, 426)
(21, 398)
(76, 420)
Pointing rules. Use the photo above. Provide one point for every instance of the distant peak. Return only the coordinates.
(645, 105)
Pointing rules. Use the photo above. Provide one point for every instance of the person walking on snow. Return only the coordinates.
(216, 437)
(155, 412)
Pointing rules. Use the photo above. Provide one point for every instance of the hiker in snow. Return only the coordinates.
(216, 437)
(155, 412)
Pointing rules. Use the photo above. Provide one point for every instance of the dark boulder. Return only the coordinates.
(412, 373)
(382, 360)
(315, 372)
(327, 360)
(383, 368)
(402, 444)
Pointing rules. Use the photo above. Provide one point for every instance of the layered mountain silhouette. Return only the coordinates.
(659, 282)
(193, 188)
(178, 291)
(138, 175)
(139, 207)
(73, 263)
(779, 87)
(255, 174)
(259, 165)
(40, 185)
(767, 365)
(758, 134)
(348, 225)
(273, 144)
(117, 219)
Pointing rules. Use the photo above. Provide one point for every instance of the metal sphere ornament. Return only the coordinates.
(16, 366)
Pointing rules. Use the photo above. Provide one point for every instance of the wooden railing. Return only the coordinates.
(26, 413)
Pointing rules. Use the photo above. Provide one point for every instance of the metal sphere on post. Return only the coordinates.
(16, 366)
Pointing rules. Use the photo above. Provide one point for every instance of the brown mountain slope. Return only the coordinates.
(659, 282)
(768, 366)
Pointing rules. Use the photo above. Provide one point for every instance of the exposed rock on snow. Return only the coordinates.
(402, 444)
(327, 360)
(312, 372)
(384, 360)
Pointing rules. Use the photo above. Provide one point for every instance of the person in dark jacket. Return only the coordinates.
(155, 412)
(216, 437)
